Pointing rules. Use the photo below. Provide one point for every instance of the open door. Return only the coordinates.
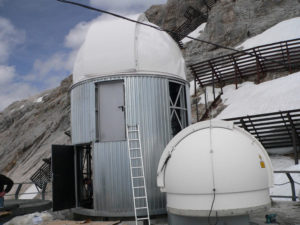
(63, 186)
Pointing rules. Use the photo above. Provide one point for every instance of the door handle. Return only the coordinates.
(122, 107)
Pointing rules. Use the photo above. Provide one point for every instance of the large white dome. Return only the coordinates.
(118, 46)
(215, 156)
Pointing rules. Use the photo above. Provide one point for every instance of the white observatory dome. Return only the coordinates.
(117, 46)
(215, 164)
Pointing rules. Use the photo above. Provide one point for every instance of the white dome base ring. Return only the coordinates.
(183, 220)
(228, 204)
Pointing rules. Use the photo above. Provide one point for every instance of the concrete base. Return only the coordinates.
(228, 220)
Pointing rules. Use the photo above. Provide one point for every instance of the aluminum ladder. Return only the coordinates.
(138, 184)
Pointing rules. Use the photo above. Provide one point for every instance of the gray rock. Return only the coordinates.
(28, 129)
(230, 22)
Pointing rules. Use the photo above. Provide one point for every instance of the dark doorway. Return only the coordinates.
(63, 184)
(84, 175)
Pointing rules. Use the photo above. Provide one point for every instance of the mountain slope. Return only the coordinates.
(29, 127)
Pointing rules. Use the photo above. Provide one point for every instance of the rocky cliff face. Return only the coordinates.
(232, 21)
(29, 127)
(229, 22)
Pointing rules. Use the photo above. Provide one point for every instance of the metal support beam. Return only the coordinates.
(294, 197)
(258, 65)
(288, 56)
(196, 99)
(18, 191)
(294, 135)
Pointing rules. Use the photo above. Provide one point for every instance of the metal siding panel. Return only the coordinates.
(83, 113)
(147, 104)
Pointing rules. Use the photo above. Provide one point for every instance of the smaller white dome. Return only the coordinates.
(218, 156)
(118, 46)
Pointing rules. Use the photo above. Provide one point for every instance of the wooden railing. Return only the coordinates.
(257, 61)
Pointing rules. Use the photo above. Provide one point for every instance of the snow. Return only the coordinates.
(192, 87)
(40, 99)
(28, 193)
(285, 30)
(194, 34)
(284, 163)
(210, 94)
(271, 96)
(22, 106)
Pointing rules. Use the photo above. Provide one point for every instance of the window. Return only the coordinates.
(178, 107)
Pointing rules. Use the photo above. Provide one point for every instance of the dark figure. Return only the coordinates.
(4, 181)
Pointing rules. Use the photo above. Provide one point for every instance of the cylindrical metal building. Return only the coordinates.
(126, 74)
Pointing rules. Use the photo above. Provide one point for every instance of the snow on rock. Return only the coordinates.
(209, 94)
(40, 99)
(194, 34)
(192, 87)
(30, 193)
(271, 96)
(285, 30)
(281, 182)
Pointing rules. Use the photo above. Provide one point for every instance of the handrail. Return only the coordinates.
(20, 184)
(291, 181)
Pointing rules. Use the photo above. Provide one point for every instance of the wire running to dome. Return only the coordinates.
(161, 29)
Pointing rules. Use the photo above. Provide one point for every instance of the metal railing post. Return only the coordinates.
(18, 191)
(294, 197)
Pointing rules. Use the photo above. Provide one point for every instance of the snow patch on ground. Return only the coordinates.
(271, 96)
(30, 193)
(285, 30)
(195, 34)
(284, 163)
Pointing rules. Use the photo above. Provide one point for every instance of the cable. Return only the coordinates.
(282, 184)
(168, 31)
(212, 168)
(211, 208)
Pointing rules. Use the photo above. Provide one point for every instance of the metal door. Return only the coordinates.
(63, 185)
(111, 111)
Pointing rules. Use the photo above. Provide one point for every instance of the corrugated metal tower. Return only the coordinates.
(126, 73)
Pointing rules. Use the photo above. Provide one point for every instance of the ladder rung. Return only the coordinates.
(143, 218)
(139, 187)
(136, 167)
(136, 157)
(134, 139)
(138, 177)
(142, 207)
(133, 131)
(140, 197)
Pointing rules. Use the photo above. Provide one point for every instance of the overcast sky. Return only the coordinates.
(39, 40)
